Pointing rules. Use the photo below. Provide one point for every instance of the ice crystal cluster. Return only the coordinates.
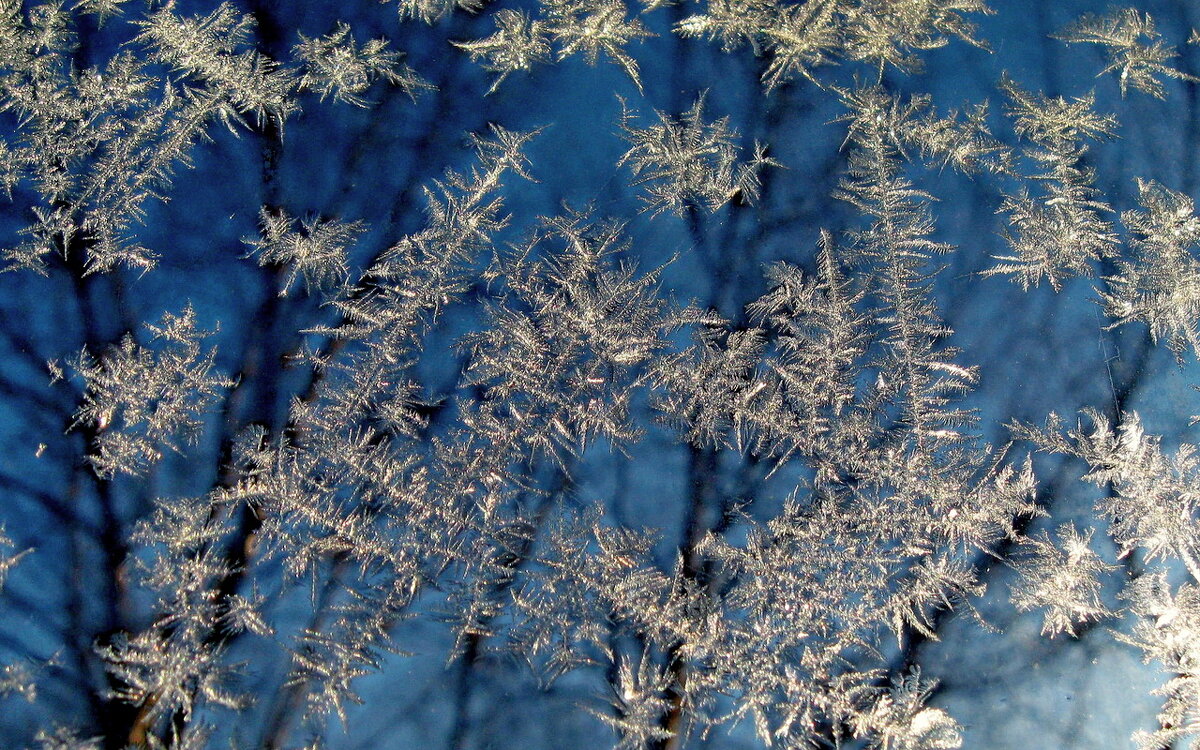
(575, 373)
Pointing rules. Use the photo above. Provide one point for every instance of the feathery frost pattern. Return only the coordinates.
(1154, 509)
(691, 162)
(1136, 52)
(1063, 576)
(1062, 232)
(456, 404)
(1160, 284)
(139, 400)
(318, 253)
(336, 66)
